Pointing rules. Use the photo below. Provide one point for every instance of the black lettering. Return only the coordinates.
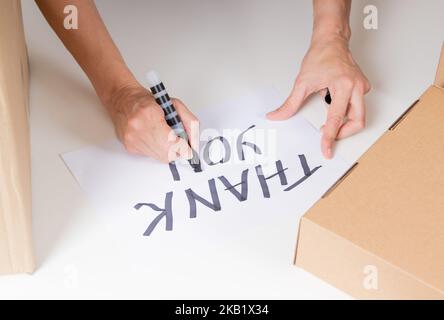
(241, 196)
(240, 144)
(307, 172)
(263, 180)
(193, 197)
(227, 148)
(166, 213)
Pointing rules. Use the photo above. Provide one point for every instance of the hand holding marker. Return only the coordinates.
(171, 116)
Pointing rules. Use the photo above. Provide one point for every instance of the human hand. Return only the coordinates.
(141, 126)
(329, 64)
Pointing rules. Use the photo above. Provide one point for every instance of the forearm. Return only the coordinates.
(91, 46)
(331, 20)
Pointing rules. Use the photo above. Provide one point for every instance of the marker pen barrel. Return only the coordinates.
(172, 118)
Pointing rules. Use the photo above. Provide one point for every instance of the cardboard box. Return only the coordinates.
(378, 233)
(16, 254)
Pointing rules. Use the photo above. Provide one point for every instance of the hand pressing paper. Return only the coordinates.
(256, 174)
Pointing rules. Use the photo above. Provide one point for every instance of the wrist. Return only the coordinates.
(328, 33)
(120, 95)
(114, 81)
(331, 21)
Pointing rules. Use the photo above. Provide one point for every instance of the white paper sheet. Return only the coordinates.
(231, 247)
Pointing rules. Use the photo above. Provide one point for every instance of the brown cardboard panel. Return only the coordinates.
(392, 203)
(15, 177)
(353, 269)
(439, 78)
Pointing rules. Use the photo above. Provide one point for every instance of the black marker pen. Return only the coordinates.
(171, 116)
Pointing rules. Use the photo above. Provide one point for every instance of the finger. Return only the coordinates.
(190, 123)
(150, 131)
(356, 116)
(155, 141)
(139, 147)
(335, 119)
(293, 103)
(180, 149)
(169, 146)
(133, 144)
(323, 92)
(133, 149)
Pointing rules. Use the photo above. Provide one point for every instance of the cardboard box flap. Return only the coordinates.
(392, 202)
(439, 78)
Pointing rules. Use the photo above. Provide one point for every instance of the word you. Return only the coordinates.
(225, 156)
(238, 189)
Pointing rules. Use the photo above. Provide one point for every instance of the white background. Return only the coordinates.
(207, 50)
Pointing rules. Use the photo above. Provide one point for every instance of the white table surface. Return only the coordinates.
(208, 50)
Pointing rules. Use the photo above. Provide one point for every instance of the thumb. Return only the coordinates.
(291, 105)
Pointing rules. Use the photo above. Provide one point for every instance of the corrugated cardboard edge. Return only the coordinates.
(355, 270)
(439, 78)
(342, 178)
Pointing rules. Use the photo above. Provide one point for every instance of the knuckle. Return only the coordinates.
(300, 85)
(299, 82)
(367, 86)
(133, 122)
(360, 86)
(335, 120)
(346, 82)
(327, 137)
(363, 86)
(153, 113)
